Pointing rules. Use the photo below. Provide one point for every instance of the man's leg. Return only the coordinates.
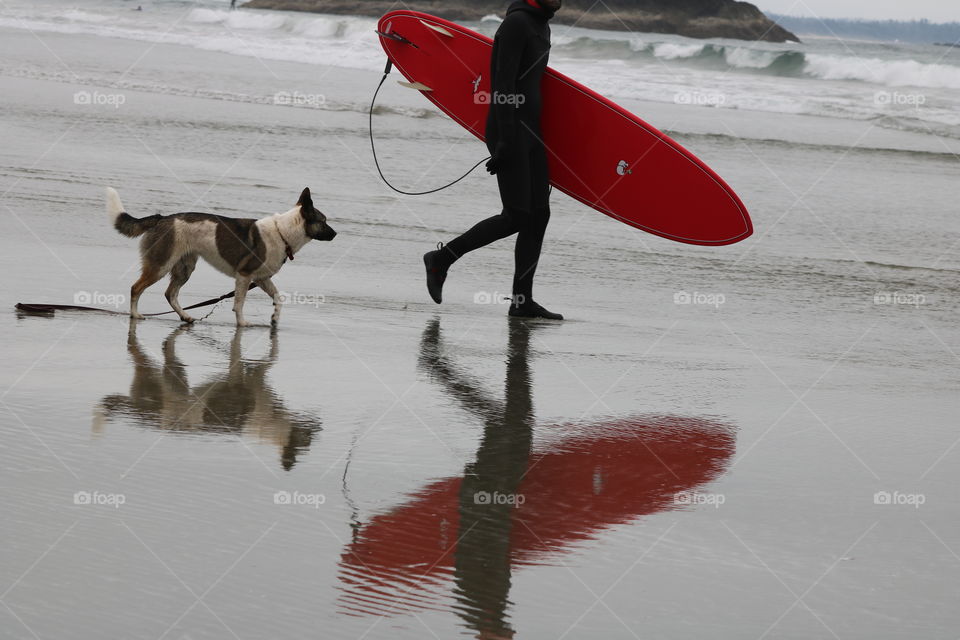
(513, 179)
(530, 236)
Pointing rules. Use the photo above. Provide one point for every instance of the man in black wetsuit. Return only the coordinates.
(518, 157)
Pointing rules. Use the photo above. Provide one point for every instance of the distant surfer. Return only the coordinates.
(518, 157)
(233, 4)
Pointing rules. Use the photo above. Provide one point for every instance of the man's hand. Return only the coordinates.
(500, 154)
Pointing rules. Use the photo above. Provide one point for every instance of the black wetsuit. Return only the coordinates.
(520, 52)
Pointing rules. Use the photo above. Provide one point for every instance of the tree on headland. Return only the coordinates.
(919, 31)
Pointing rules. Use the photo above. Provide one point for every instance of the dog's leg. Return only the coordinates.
(271, 290)
(148, 276)
(239, 295)
(178, 277)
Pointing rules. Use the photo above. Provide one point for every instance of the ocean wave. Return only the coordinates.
(76, 15)
(321, 28)
(758, 59)
(674, 50)
(892, 73)
(700, 55)
(787, 145)
(238, 19)
(207, 16)
(324, 27)
(344, 41)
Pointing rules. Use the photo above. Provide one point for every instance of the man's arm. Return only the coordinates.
(511, 42)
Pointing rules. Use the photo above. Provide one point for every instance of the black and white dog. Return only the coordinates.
(248, 250)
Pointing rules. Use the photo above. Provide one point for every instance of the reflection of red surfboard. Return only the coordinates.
(599, 153)
(616, 472)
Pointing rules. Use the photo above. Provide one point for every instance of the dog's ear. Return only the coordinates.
(305, 201)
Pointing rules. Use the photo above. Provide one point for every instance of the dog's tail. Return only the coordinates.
(122, 221)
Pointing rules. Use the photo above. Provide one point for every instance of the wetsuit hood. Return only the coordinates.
(539, 11)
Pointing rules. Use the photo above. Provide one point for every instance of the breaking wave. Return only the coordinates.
(758, 59)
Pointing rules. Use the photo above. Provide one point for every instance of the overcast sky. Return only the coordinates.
(933, 10)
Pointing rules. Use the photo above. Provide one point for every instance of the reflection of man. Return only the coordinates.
(490, 485)
(238, 401)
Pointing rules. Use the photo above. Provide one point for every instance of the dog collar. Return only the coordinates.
(286, 244)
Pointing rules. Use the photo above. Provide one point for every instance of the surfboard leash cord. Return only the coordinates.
(373, 147)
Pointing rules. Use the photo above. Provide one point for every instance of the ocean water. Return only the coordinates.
(749, 441)
(873, 81)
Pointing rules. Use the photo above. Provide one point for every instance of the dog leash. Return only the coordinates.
(51, 308)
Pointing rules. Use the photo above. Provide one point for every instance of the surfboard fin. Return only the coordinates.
(436, 28)
(397, 37)
(419, 86)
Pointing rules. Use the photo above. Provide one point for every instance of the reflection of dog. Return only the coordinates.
(248, 250)
(238, 401)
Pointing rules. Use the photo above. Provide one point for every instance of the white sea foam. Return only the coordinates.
(674, 50)
(255, 21)
(207, 16)
(746, 58)
(892, 73)
(638, 44)
(320, 28)
(75, 15)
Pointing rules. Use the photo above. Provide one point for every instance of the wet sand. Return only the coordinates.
(696, 452)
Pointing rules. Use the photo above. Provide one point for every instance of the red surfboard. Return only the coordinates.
(598, 152)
